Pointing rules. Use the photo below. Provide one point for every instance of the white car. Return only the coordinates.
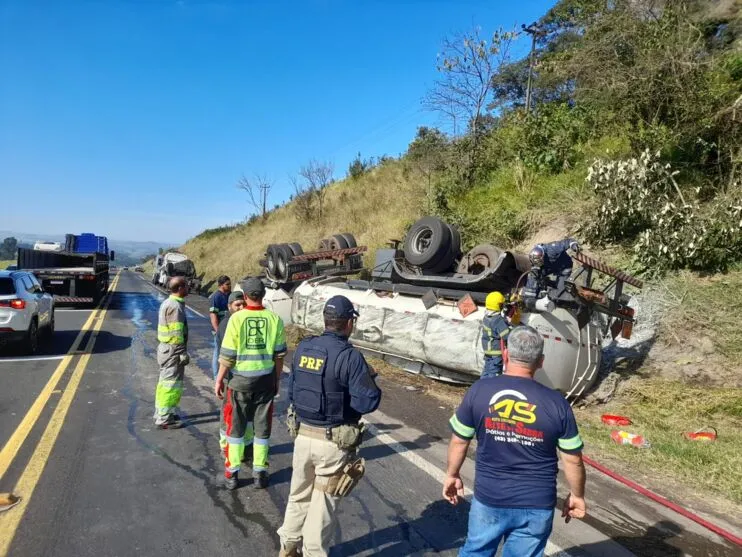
(26, 311)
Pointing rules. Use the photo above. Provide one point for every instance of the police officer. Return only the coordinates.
(253, 348)
(172, 355)
(495, 328)
(546, 260)
(330, 387)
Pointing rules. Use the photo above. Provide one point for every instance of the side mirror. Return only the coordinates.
(113, 255)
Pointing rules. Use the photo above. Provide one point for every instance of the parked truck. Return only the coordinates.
(422, 308)
(175, 264)
(76, 274)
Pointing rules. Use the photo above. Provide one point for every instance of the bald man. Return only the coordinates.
(172, 355)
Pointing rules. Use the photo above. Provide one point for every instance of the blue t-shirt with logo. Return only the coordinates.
(519, 424)
(219, 304)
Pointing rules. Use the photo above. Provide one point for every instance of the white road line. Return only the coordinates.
(162, 295)
(31, 359)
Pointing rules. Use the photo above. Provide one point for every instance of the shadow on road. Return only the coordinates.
(413, 536)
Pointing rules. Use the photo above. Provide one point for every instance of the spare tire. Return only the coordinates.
(483, 256)
(283, 256)
(338, 242)
(271, 260)
(349, 239)
(295, 248)
(427, 243)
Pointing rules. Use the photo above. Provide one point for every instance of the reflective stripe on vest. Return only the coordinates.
(172, 333)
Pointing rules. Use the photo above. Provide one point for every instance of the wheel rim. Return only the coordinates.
(421, 241)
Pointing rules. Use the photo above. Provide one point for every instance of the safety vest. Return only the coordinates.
(252, 338)
(172, 326)
(318, 396)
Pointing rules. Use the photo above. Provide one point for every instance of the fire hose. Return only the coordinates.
(664, 502)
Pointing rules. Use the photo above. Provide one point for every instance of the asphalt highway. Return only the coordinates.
(96, 478)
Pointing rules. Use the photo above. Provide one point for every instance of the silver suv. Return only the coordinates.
(25, 310)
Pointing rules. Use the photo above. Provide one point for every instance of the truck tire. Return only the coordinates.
(427, 243)
(349, 239)
(455, 240)
(338, 242)
(295, 248)
(283, 256)
(483, 256)
(271, 257)
(324, 244)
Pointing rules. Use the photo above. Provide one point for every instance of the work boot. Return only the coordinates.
(261, 479)
(230, 480)
(170, 423)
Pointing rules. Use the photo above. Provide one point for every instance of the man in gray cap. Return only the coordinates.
(330, 387)
(252, 349)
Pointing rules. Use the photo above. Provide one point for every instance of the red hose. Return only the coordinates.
(662, 501)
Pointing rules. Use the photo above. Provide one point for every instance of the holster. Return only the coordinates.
(292, 423)
(343, 483)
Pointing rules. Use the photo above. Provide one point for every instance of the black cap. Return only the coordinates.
(254, 287)
(235, 295)
(340, 307)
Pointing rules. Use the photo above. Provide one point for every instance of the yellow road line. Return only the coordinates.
(29, 479)
(11, 448)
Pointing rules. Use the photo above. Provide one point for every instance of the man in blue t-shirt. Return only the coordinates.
(519, 425)
(218, 310)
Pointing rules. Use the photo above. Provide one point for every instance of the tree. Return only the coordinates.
(317, 176)
(8, 248)
(358, 167)
(429, 152)
(467, 66)
(257, 193)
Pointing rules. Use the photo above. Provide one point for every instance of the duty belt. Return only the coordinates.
(315, 432)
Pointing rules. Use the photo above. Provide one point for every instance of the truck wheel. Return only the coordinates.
(483, 256)
(283, 256)
(445, 263)
(295, 248)
(324, 244)
(32, 338)
(455, 240)
(427, 243)
(271, 257)
(338, 242)
(349, 239)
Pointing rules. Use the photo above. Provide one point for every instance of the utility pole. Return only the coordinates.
(535, 31)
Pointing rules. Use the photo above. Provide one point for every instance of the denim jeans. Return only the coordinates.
(525, 531)
(215, 359)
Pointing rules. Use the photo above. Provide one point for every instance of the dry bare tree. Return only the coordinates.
(467, 65)
(317, 176)
(257, 192)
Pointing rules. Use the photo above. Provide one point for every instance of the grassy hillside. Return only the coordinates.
(374, 208)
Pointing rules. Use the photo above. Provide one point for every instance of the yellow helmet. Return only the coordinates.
(494, 301)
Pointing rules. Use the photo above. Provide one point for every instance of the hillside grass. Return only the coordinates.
(5, 262)
(375, 208)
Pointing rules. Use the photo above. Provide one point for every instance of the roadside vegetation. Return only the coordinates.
(632, 142)
(4, 263)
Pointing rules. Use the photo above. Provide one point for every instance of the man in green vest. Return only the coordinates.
(172, 355)
(253, 348)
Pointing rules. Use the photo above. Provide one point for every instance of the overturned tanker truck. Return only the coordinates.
(423, 304)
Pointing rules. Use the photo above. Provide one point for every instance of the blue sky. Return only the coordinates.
(135, 119)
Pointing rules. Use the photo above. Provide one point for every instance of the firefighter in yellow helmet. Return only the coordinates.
(495, 328)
